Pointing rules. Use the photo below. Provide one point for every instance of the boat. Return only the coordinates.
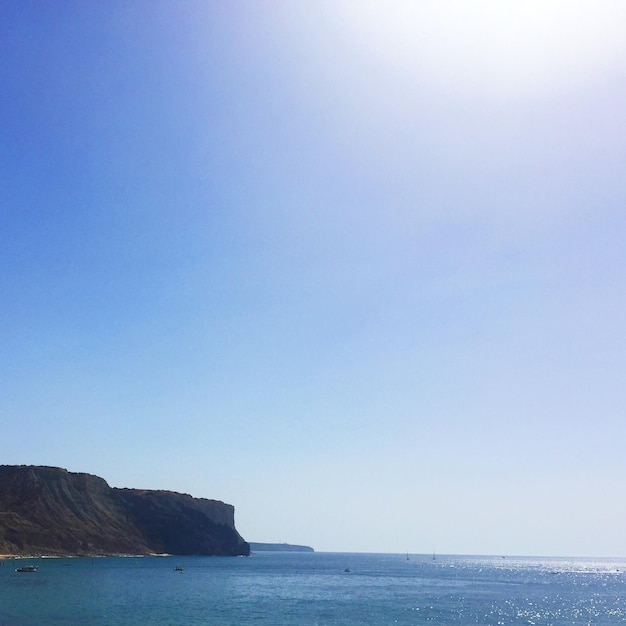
(26, 568)
(179, 569)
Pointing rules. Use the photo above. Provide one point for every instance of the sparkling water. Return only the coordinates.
(314, 589)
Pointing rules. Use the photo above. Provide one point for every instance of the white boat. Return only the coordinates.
(26, 568)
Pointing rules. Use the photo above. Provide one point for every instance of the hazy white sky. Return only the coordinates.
(356, 268)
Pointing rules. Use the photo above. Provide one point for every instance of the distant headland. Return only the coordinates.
(50, 511)
(278, 547)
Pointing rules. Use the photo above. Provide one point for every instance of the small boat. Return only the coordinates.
(179, 569)
(26, 568)
(347, 570)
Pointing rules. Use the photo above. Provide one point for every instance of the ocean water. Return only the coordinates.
(314, 589)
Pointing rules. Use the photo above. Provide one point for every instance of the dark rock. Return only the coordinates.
(48, 510)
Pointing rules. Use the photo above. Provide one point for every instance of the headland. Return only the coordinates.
(50, 511)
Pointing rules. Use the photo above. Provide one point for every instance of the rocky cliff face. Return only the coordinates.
(48, 510)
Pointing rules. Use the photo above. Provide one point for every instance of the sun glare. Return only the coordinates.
(496, 45)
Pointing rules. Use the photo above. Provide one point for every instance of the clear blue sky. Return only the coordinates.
(357, 268)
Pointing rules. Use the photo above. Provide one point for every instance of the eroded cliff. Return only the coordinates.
(48, 510)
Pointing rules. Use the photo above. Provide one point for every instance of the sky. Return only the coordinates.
(354, 267)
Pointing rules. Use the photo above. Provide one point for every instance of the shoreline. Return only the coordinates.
(9, 557)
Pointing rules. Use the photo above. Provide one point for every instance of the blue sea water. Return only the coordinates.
(314, 589)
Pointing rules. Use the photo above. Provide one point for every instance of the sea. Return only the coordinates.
(302, 589)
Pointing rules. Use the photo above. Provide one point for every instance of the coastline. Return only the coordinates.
(8, 557)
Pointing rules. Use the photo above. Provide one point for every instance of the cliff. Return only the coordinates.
(48, 510)
(278, 547)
